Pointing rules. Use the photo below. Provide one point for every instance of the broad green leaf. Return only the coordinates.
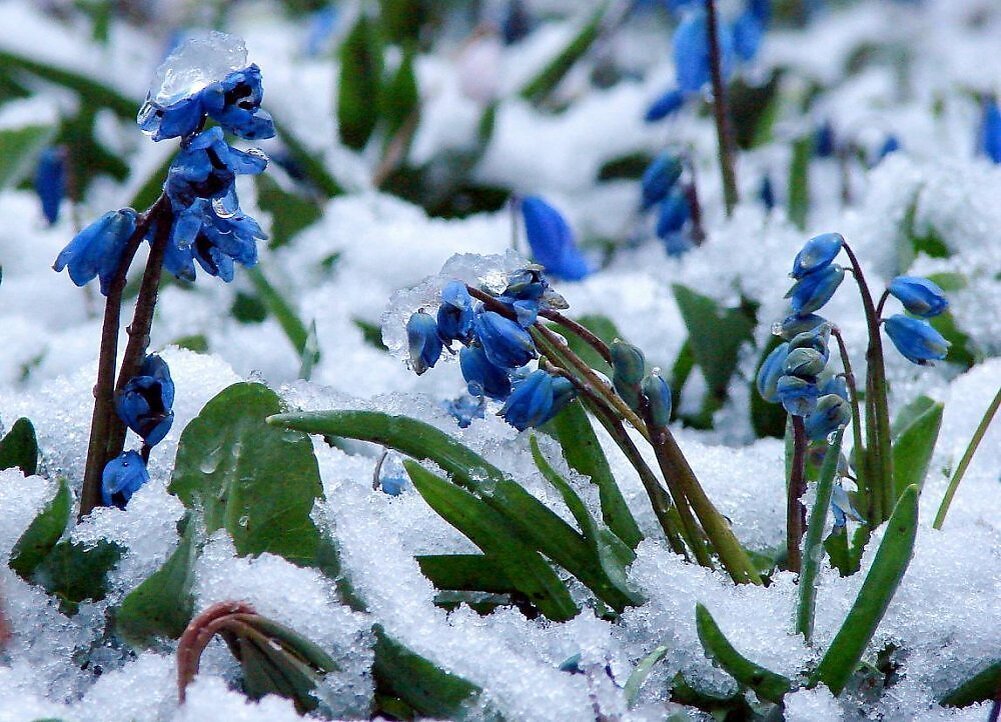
(546, 80)
(399, 98)
(836, 546)
(295, 330)
(43, 533)
(753, 109)
(583, 453)
(980, 687)
(290, 212)
(19, 448)
(95, 93)
(408, 676)
(401, 20)
(19, 151)
(75, 572)
(548, 533)
(910, 413)
(625, 167)
(892, 558)
(254, 480)
(799, 180)
(498, 539)
(612, 552)
(639, 675)
(765, 683)
(162, 604)
(913, 443)
(465, 572)
(360, 80)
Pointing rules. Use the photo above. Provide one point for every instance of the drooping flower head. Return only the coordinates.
(536, 399)
(552, 240)
(916, 339)
(423, 340)
(97, 249)
(920, 296)
(50, 181)
(122, 477)
(145, 403)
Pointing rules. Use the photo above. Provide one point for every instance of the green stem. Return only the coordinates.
(878, 423)
(813, 544)
(860, 477)
(580, 331)
(795, 511)
(724, 133)
(964, 462)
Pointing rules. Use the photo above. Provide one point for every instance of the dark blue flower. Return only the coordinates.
(770, 372)
(526, 284)
(465, 408)
(423, 342)
(990, 130)
(552, 241)
(658, 179)
(658, 395)
(798, 396)
(145, 403)
(766, 193)
(235, 103)
(206, 167)
(691, 52)
(50, 181)
(176, 120)
(122, 478)
(823, 140)
(517, 22)
(815, 289)
(793, 325)
(97, 249)
(916, 339)
(216, 242)
(890, 145)
(482, 377)
(505, 343)
(670, 102)
(674, 212)
(536, 399)
(817, 253)
(455, 315)
(919, 295)
(748, 30)
(831, 413)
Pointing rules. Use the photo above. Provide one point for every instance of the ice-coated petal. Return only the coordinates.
(424, 343)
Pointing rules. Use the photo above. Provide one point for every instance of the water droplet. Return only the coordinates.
(243, 521)
(221, 210)
(211, 461)
(777, 328)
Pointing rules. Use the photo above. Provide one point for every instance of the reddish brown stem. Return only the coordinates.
(196, 637)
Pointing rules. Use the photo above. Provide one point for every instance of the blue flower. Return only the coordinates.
(770, 371)
(823, 140)
(97, 249)
(455, 315)
(658, 179)
(831, 413)
(817, 338)
(890, 145)
(424, 344)
(748, 30)
(841, 505)
(482, 377)
(916, 339)
(919, 295)
(536, 399)
(392, 484)
(216, 242)
(807, 363)
(50, 181)
(798, 396)
(121, 478)
(505, 343)
(552, 241)
(674, 212)
(691, 52)
(144, 403)
(815, 289)
(766, 193)
(817, 254)
(835, 385)
(793, 325)
(206, 167)
(465, 408)
(670, 102)
(990, 130)
(235, 103)
(517, 22)
(658, 396)
(526, 284)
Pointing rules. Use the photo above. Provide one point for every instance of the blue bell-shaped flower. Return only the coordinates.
(830, 414)
(770, 372)
(669, 103)
(916, 339)
(97, 249)
(817, 254)
(50, 181)
(552, 241)
(505, 342)
(798, 396)
(536, 399)
(658, 179)
(145, 403)
(815, 289)
(455, 315)
(482, 377)
(919, 295)
(122, 477)
(423, 342)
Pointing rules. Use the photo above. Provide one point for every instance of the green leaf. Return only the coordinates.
(963, 350)
(295, 330)
(765, 683)
(254, 480)
(639, 675)
(625, 167)
(410, 677)
(715, 335)
(546, 80)
(309, 162)
(494, 535)
(371, 333)
(43, 533)
(399, 97)
(465, 572)
(767, 419)
(799, 180)
(979, 688)
(290, 212)
(583, 453)
(75, 572)
(548, 533)
(162, 604)
(360, 79)
(401, 20)
(754, 109)
(913, 443)
(892, 558)
(836, 546)
(612, 552)
(19, 151)
(20, 448)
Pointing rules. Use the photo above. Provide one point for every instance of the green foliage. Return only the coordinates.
(360, 79)
(76, 572)
(638, 676)
(399, 97)
(799, 180)
(466, 572)
(19, 151)
(19, 448)
(980, 687)
(295, 330)
(754, 109)
(290, 212)
(38, 540)
(371, 333)
(892, 558)
(162, 604)
(914, 431)
(256, 481)
(545, 81)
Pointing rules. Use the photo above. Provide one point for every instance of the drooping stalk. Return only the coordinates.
(796, 487)
(724, 132)
(849, 375)
(580, 331)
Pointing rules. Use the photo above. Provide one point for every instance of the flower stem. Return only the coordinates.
(580, 331)
(104, 400)
(724, 133)
(860, 476)
(964, 462)
(795, 511)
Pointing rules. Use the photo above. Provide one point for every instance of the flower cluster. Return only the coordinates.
(661, 188)
(496, 347)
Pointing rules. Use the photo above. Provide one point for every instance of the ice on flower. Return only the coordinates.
(203, 59)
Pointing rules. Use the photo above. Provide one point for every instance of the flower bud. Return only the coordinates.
(815, 289)
(455, 315)
(536, 399)
(144, 403)
(658, 179)
(916, 339)
(121, 478)
(628, 367)
(770, 371)
(658, 396)
(831, 413)
(798, 396)
(423, 341)
(816, 254)
(919, 295)
(807, 363)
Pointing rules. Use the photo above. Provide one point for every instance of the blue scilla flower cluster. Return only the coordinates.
(739, 40)
(145, 405)
(495, 349)
(662, 192)
(204, 79)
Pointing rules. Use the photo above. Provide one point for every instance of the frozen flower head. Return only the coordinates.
(206, 167)
(145, 402)
(536, 399)
(122, 477)
(207, 75)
